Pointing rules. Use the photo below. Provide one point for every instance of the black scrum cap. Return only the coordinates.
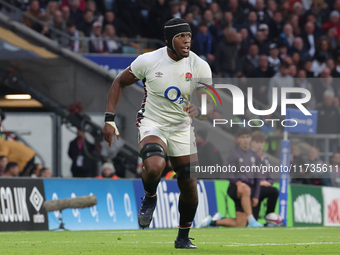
(174, 27)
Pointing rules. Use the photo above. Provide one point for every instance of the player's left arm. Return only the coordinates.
(205, 77)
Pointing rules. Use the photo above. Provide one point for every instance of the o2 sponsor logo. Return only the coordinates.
(173, 94)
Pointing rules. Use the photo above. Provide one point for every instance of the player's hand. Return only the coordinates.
(265, 183)
(109, 131)
(254, 202)
(192, 111)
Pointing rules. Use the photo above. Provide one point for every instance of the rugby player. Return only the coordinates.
(164, 120)
(267, 190)
(244, 187)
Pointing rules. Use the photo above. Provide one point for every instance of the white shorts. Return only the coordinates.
(179, 139)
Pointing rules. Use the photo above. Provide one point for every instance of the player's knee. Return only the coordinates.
(247, 190)
(154, 166)
(244, 190)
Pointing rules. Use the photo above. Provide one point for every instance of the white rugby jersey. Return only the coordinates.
(168, 84)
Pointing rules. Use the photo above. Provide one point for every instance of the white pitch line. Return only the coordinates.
(277, 244)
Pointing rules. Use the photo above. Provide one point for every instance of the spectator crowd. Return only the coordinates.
(264, 43)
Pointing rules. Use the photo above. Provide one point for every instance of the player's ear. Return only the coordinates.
(166, 41)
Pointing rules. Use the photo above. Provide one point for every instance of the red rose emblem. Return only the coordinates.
(188, 75)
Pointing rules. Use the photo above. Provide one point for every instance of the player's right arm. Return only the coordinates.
(124, 79)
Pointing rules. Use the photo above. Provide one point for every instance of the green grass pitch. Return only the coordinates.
(312, 240)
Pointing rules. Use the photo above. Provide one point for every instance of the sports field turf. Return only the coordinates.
(315, 240)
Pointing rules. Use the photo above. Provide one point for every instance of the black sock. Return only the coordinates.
(150, 189)
(213, 223)
(187, 214)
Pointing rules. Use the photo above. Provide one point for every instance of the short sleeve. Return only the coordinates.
(204, 75)
(138, 68)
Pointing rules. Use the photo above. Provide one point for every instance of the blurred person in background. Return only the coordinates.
(92, 6)
(309, 38)
(208, 154)
(287, 36)
(298, 47)
(19, 153)
(175, 9)
(283, 51)
(12, 170)
(298, 176)
(97, 44)
(281, 80)
(271, 8)
(244, 44)
(45, 172)
(34, 11)
(35, 170)
(203, 44)
(292, 71)
(251, 24)
(294, 22)
(82, 4)
(121, 28)
(270, 129)
(324, 84)
(189, 17)
(158, 15)
(260, 85)
(333, 174)
(212, 25)
(44, 30)
(3, 164)
(313, 161)
(308, 68)
(267, 180)
(107, 171)
(226, 55)
(302, 82)
(85, 25)
(261, 41)
(59, 24)
(76, 45)
(262, 16)
(66, 12)
(328, 120)
(276, 26)
(332, 23)
(75, 12)
(216, 11)
(113, 41)
(82, 164)
(51, 8)
(323, 50)
(273, 58)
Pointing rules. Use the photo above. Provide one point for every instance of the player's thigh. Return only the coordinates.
(182, 143)
(152, 139)
(241, 219)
